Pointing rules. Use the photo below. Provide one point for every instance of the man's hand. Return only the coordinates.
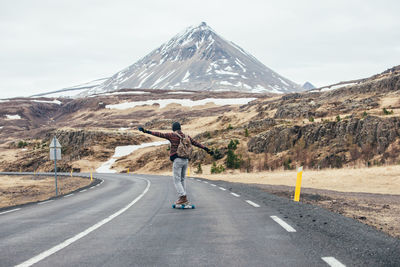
(209, 151)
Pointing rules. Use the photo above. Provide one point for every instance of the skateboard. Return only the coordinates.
(183, 206)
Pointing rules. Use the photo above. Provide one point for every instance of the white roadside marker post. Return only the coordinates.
(55, 153)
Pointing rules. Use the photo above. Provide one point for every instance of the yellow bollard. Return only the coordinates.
(127, 171)
(91, 176)
(71, 172)
(298, 184)
(188, 170)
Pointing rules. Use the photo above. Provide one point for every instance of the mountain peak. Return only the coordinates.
(308, 86)
(199, 59)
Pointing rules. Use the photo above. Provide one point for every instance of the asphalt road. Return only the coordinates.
(128, 221)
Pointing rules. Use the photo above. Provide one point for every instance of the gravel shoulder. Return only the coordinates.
(381, 211)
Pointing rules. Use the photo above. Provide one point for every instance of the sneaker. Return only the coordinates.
(181, 200)
(185, 199)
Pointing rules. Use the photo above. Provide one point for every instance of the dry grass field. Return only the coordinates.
(17, 190)
(377, 180)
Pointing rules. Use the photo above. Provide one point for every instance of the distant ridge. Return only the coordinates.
(308, 86)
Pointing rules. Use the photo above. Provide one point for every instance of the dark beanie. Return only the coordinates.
(176, 126)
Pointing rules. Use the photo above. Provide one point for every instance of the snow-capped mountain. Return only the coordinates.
(198, 59)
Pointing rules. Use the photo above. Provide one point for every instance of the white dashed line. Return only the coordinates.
(91, 187)
(213, 185)
(234, 194)
(75, 238)
(333, 262)
(69, 195)
(223, 189)
(44, 202)
(198, 180)
(205, 182)
(83, 190)
(282, 223)
(253, 204)
(8, 211)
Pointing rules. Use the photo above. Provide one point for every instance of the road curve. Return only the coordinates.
(128, 221)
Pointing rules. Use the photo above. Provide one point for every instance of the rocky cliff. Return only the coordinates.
(337, 138)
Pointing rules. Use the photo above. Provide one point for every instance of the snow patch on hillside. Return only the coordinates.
(57, 102)
(121, 151)
(13, 117)
(183, 102)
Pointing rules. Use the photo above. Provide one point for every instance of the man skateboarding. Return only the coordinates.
(179, 155)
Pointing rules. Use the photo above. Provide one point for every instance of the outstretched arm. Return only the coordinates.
(158, 134)
(195, 143)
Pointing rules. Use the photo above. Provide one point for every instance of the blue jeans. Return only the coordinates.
(179, 170)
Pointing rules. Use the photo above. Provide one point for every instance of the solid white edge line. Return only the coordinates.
(253, 204)
(8, 211)
(282, 223)
(234, 194)
(223, 189)
(71, 240)
(44, 202)
(331, 261)
(69, 195)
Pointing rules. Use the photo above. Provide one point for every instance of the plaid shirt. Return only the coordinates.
(175, 140)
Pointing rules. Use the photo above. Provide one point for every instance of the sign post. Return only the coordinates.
(55, 154)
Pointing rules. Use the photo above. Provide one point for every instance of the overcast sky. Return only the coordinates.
(49, 45)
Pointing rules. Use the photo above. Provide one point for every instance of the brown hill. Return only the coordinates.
(352, 125)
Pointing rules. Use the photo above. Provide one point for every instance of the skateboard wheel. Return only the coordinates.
(173, 206)
(193, 207)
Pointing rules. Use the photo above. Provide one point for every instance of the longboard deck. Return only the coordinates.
(183, 206)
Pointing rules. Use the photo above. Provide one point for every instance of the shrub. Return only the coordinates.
(22, 144)
(229, 127)
(311, 119)
(233, 144)
(338, 118)
(217, 154)
(246, 132)
(232, 160)
(365, 114)
(387, 112)
(199, 169)
(217, 169)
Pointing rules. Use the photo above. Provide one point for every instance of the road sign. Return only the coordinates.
(55, 154)
(54, 143)
(55, 149)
